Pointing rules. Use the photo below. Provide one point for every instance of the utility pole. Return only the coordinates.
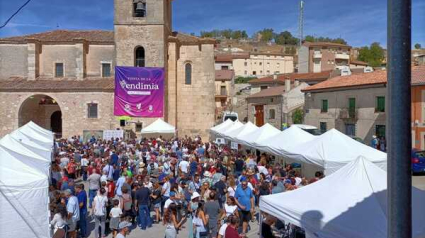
(301, 23)
(399, 177)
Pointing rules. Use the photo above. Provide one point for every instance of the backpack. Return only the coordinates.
(127, 203)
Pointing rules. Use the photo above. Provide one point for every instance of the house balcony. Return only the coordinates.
(342, 56)
(317, 55)
(348, 113)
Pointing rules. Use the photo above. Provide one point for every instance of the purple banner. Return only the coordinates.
(139, 92)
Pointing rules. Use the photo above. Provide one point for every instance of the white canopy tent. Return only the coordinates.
(279, 143)
(31, 145)
(232, 133)
(333, 150)
(264, 132)
(247, 129)
(350, 203)
(157, 128)
(33, 135)
(26, 155)
(218, 127)
(24, 198)
(41, 130)
(224, 132)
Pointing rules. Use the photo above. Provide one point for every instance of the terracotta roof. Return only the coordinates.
(376, 77)
(358, 62)
(226, 75)
(295, 76)
(270, 92)
(224, 58)
(98, 36)
(418, 75)
(58, 85)
(329, 44)
(189, 39)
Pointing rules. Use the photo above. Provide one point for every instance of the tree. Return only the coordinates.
(418, 46)
(373, 55)
(285, 38)
(206, 34)
(338, 40)
(266, 34)
(298, 116)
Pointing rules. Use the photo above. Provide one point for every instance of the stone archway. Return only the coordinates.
(42, 110)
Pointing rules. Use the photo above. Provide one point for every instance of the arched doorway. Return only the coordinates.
(56, 122)
(42, 110)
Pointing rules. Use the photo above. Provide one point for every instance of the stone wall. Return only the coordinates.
(13, 60)
(366, 120)
(270, 103)
(97, 55)
(196, 102)
(51, 54)
(73, 106)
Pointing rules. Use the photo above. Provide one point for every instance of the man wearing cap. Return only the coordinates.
(244, 197)
(123, 229)
(73, 213)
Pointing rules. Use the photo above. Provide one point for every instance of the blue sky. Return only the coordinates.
(360, 22)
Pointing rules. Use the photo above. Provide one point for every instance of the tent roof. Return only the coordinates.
(333, 150)
(264, 132)
(40, 129)
(246, 129)
(226, 130)
(337, 206)
(25, 155)
(35, 136)
(226, 123)
(279, 143)
(159, 127)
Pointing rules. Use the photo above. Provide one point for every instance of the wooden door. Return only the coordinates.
(259, 115)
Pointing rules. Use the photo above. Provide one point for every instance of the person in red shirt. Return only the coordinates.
(232, 229)
(71, 168)
(111, 188)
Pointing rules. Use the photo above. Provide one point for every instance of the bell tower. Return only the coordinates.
(141, 30)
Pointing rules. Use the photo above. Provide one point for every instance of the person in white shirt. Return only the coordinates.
(73, 210)
(183, 165)
(84, 163)
(115, 215)
(99, 212)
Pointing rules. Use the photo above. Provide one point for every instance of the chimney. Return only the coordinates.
(296, 83)
(287, 85)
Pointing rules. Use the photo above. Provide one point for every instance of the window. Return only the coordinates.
(351, 107)
(263, 87)
(188, 74)
(271, 99)
(59, 70)
(246, 72)
(278, 64)
(139, 8)
(261, 63)
(268, 71)
(139, 57)
(92, 110)
(139, 126)
(324, 106)
(224, 67)
(106, 70)
(272, 114)
(350, 129)
(261, 71)
(323, 127)
(223, 91)
(246, 63)
(254, 72)
(380, 104)
(380, 131)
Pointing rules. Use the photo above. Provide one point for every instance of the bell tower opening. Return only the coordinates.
(139, 8)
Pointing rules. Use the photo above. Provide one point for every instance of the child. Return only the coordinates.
(115, 215)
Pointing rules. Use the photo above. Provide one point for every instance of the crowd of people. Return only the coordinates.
(183, 183)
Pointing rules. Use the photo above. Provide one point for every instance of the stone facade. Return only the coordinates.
(365, 118)
(27, 72)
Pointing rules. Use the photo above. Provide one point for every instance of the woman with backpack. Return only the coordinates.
(126, 202)
(99, 212)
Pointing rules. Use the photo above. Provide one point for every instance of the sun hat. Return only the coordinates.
(195, 195)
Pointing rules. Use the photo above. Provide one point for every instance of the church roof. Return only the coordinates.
(94, 36)
(57, 85)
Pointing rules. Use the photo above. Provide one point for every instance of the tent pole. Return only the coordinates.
(398, 119)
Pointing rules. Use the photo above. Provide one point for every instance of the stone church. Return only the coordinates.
(63, 80)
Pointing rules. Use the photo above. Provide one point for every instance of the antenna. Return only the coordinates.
(301, 22)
